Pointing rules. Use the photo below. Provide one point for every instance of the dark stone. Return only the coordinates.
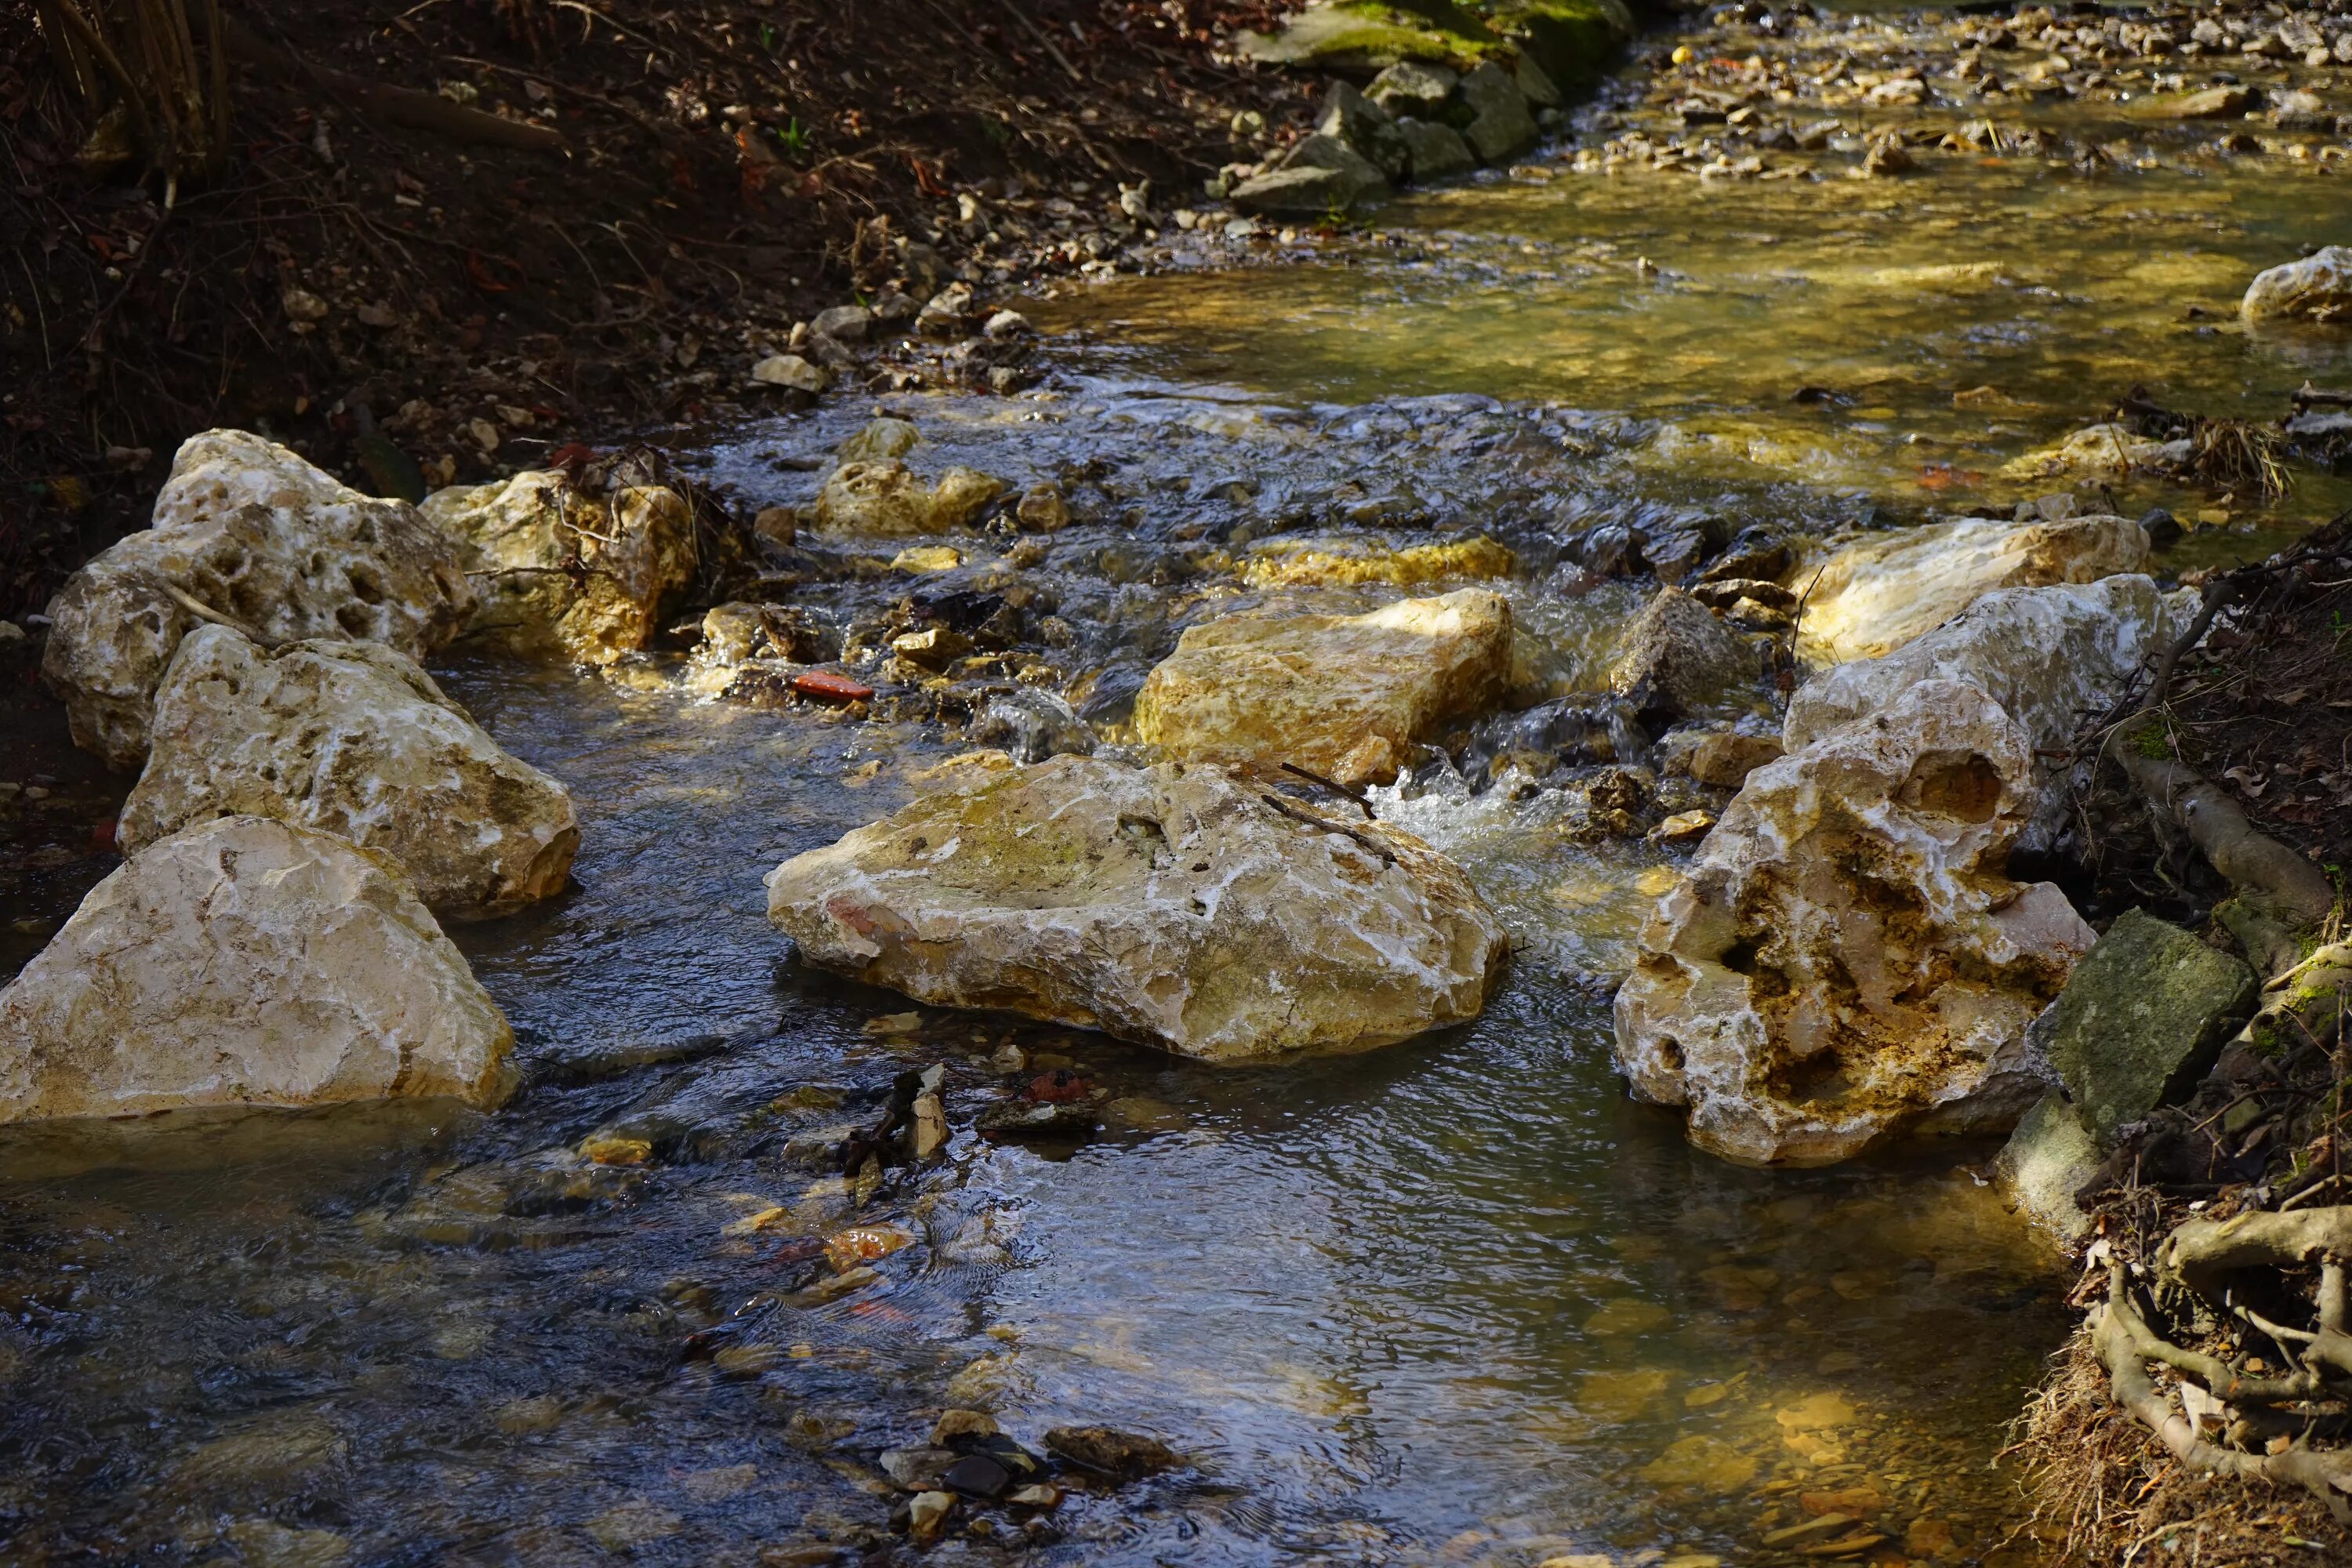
(976, 1475)
(1019, 1118)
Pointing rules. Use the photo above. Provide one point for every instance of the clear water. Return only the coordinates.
(1458, 1301)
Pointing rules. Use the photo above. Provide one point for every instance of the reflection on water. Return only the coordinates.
(1457, 1301)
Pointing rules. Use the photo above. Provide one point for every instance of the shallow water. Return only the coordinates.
(1456, 1302)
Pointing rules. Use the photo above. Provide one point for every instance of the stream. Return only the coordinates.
(1458, 1301)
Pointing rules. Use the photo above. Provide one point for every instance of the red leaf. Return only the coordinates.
(483, 277)
(828, 687)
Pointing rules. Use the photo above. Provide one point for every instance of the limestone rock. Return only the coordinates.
(248, 962)
(2096, 450)
(354, 740)
(1500, 124)
(1678, 657)
(2225, 103)
(2049, 656)
(1846, 961)
(792, 372)
(1434, 151)
(1299, 191)
(1726, 760)
(1876, 595)
(886, 498)
(2045, 1162)
(879, 441)
(1173, 905)
(1351, 178)
(2141, 1019)
(1298, 561)
(2316, 288)
(634, 548)
(1345, 696)
(1365, 128)
(254, 535)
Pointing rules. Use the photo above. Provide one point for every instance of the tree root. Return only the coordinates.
(2257, 865)
(2124, 1344)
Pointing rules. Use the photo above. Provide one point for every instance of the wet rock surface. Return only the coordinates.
(1172, 906)
(1846, 961)
(563, 572)
(356, 741)
(248, 535)
(242, 962)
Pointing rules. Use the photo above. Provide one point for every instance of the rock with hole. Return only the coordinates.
(246, 534)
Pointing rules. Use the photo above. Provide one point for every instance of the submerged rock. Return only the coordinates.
(245, 961)
(245, 532)
(354, 740)
(2316, 288)
(887, 498)
(1874, 595)
(1846, 961)
(1174, 906)
(2141, 1020)
(1324, 562)
(2044, 1163)
(1345, 696)
(565, 574)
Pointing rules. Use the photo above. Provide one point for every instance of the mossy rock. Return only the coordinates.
(1572, 40)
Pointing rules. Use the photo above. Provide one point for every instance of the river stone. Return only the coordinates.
(1296, 561)
(2316, 288)
(1436, 151)
(1414, 87)
(634, 549)
(256, 535)
(1174, 905)
(1355, 178)
(245, 961)
(2226, 103)
(1345, 696)
(1365, 130)
(2141, 1020)
(2046, 1163)
(1876, 595)
(1678, 656)
(879, 441)
(1499, 124)
(354, 740)
(1846, 961)
(2108, 450)
(887, 498)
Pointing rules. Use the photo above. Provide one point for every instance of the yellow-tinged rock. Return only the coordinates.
(927, 558)
(244, 962)
(887, 497)
(1627, 1315)
(1341, 561)
(566, 574)
(1816, 1413)
(355, 739)
(1621, 1395)
(1701, 1463)
(1173, 905)
(612, 1148)
(1345, 696)
(845, 1249)
(1874, 595)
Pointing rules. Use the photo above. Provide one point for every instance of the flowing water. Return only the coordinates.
(1458, 1301)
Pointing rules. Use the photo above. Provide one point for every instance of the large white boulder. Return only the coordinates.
(2316, 288)
(248, 962)
(565, 573)
(354, 740)
(1877, 593)
(248, 534)
(1345, 696)
(1176, 905)
(1846, 961)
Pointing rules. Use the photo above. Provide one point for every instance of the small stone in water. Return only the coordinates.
(894, 1024)
(1702, 1463)
(1038, 1496)
(1626, 1315)
(1111, 1451)
(609, 1149)
(977, 1475)
(927, 1514)
(955, 1424)
(865, 1243)
(825, 688)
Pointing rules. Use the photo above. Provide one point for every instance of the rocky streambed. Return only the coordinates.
(1554, 547)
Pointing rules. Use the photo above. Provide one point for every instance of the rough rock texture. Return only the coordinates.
(636, 551)
(1846, 961)
(887, 498)
(1320, 174)
(2044, 1163)
(2096, 451)
(1414, 87)
(354, 740)
(2048, 655)
(1366, 129)
(1172, 905)
(1678, 656)
(248, 962)
(1436, 151)
(1322, 560)
(1726, 760)
(2316, 288)
(2142, 1016)
(245, 531)
(1873, 597)
(1345, 696)
(1500, 123)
